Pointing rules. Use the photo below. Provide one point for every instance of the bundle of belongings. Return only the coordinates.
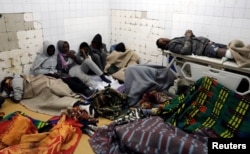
(109, 103)
(183, 124)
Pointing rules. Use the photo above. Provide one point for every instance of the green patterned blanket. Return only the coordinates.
(209, 105)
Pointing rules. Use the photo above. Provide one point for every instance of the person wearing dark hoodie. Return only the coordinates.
(66, 58)
(71, 63)
(119, 47)
(45, 63)
(88, 66)
(98, 51)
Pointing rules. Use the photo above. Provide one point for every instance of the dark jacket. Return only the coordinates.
(187, 45)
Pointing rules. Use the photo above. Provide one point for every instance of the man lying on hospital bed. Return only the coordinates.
(190, 44)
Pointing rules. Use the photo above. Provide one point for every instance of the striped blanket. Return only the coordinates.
(149, 135)
(210, 105)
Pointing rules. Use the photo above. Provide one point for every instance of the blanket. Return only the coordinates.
(240, 52)
(121, 60)
(47, 95)
(140, 79)
(148, 135)
(210, 105)
(19, 135)
(184, 124)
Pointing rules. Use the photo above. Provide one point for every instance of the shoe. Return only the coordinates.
(89, 108)
(92, 127)
(2, 100)
(134, 114)
(88, 131)
(105, 79)
(90, 92)
(77, 103)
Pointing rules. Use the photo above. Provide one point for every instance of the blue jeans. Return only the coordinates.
(211, 49)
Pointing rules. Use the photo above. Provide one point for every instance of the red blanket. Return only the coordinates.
(19, 135)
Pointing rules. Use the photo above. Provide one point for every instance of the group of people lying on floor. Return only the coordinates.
(190, 115)
(73, 68)
(65, 74)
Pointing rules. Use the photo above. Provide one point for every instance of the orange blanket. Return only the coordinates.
(19, 135)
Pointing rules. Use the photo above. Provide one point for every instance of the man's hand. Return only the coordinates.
(189, 33)
(71, 54)
(84, 53)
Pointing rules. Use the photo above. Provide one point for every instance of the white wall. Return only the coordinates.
(71, 20)
(219, 20)
(146, 20)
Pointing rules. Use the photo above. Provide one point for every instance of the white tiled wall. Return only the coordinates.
(20, 42)
(219, 20)
(72, 20)
(136, 22)
(138, 32)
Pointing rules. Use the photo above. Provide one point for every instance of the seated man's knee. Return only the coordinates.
(95, 57)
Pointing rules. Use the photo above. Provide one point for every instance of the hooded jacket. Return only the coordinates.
(188, 45)
(44, 63)
(97, 46)
(64, 63)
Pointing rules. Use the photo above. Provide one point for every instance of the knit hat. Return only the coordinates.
(120, 47)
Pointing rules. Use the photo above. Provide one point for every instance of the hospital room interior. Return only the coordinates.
(148, 99)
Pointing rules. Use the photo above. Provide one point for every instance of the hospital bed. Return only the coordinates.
(189, 68)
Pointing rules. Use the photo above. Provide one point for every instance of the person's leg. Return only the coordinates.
(76, 85)
(221, 52)
(217, 50)
(89, 65)
(103, 58)
(211, 51)
(220, 45)
(96, 58)
(76, 71)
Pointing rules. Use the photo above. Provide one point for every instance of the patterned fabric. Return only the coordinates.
(153, 98)
(82, 116)
(38, 123)
(208, 104)
(109, 102)
(149, 135)
(19, 135)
